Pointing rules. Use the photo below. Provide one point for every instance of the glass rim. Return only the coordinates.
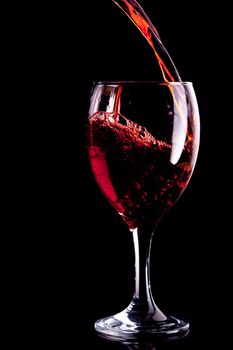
(139, 82)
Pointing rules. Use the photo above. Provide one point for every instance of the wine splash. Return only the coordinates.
(132, 167)
(138, 16)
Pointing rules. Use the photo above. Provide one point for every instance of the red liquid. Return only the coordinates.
(133, 169)
(137, 15)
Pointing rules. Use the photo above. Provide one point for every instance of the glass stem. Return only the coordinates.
(143, 300)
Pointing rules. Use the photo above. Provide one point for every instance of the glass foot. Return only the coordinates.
(123, 326)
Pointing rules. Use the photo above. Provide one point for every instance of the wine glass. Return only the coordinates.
(143, 140)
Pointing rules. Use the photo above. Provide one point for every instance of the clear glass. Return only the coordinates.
(143, 140)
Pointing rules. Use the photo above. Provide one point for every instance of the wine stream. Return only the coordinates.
(138, 16)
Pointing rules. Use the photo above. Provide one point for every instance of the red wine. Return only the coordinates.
(138, 16)
(133, 168)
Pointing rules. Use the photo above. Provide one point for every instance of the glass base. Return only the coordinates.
(121, 326)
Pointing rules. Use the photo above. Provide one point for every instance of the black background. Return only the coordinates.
(84, 265)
